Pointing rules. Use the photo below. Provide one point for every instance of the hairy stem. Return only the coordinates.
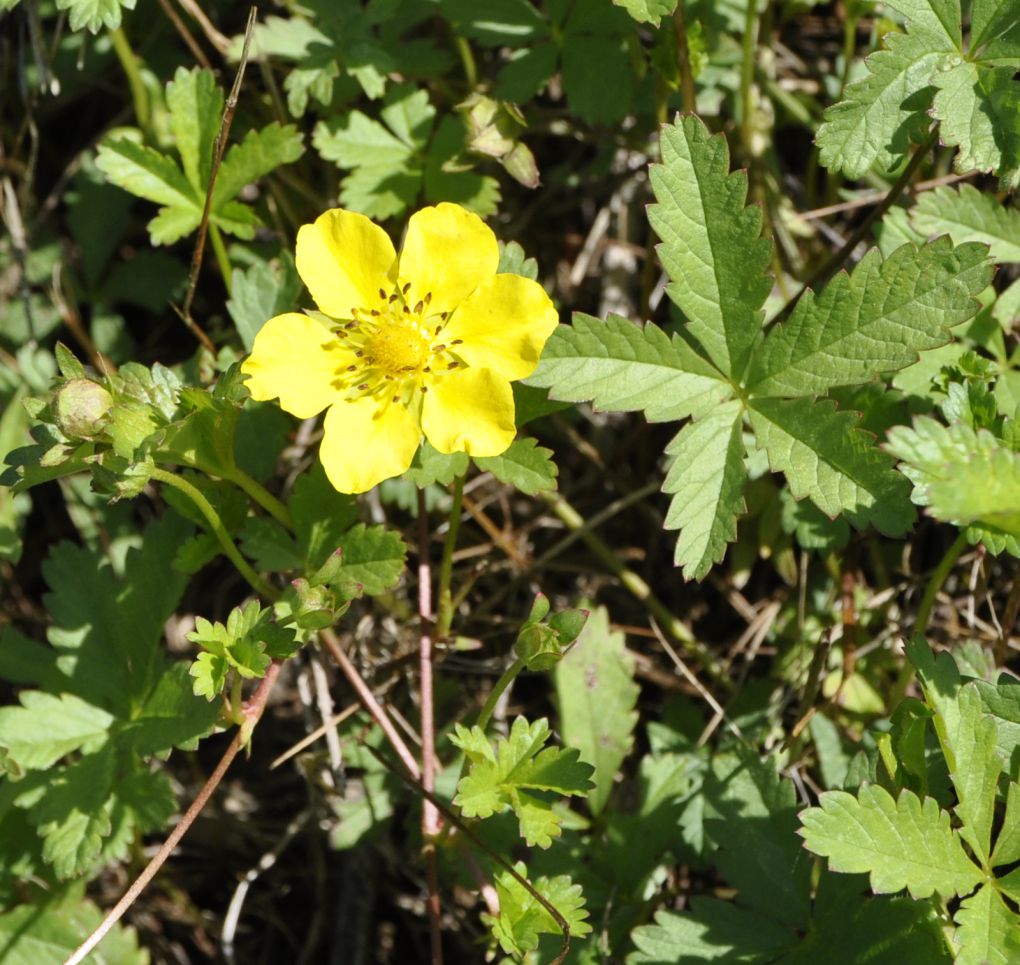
(130, 63)
(261, 495)
(429, 814)
(207, 510)
(253, 709)
(222, 258)
(688, 98)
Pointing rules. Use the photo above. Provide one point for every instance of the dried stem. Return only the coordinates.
(186, 35)
(429, 814)
(688, 97)
(218, 148)
(253, 709)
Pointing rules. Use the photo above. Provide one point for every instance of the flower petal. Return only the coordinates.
(504, 325)
(290, 359)
(470, 411)
(344, 259)
(448, 251)
(365, 442)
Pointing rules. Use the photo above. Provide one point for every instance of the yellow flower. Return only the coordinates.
(426, 342)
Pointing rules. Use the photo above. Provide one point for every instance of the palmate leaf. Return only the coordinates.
(621, 367)
(906, 843)
(873, 321)
(508, 775)
(648, 11)
(826, 457)
(523, 920)
(706, 481)
(95, 14)
(526, 466)
(196, 105)
(711, 247)
(968, 215)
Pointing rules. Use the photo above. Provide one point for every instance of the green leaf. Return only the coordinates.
(988, 932)
(522, 920)
(907, 843)
(648, 11)
(71, 724)
(372, 556)
(48, 934)
(712, 930)
(256, 295)
(968, 215)
(937, 19)
(963, 476)
(873, 321)
(430, 467)
(507, 776)
(146, 173)
(597, 79)
(450, 174)
(706, 480)
(256, 156)
(621, 367)
(95, 14)
(712, 247)
(596, 697)
(974, 767)
(979, 111)
(321, 516)
(885, 111)
(828, 459)
(1007, 844)
(196, 109)
(526, 466)
(990, 20)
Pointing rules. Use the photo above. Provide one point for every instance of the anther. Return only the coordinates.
(436, 349)
(457, 341)
(363, 387)
(406, 288)
(419, 307)
(396, 398)
(424, 389)
(407, 311)
(382, 293)
(428, 298)
(359, 354)
(375, 311)
(393, 297)
(453, 365)
(444, 315)
(352, 368)
(351, 325)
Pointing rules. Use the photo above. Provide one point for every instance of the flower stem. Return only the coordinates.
(467, 60)
(218, 529)
(429, 815)
(261, 495)
(498, 688)
(446, 566)
(927, 604)
(252, 711)
(129, 62)
(688, 98)
(222, 259)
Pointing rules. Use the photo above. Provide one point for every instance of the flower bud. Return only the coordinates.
(81, 407)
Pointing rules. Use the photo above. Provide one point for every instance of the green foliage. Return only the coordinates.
(518, 773)
(596, 698)
(522, 919)
(94, 14)
(913, 843)
(526, 466)
(869, 323)
(99, 704)
(196, 105)
(925, 71)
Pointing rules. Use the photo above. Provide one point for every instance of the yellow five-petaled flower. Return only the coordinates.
(426, 342)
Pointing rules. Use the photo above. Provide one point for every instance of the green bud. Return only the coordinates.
(539, 647)
(81, 408)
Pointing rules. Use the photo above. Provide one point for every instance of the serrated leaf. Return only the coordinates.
(146, 173)
(431, 467)
(706, 480)
(33, 934)
(873, 321)
(648, 11)
(372, 556)
(828, 459)
(938, 19)
(621, 367)
(95, 14)
(968, 215)
(712, 930)
(907, 843)
(991, 20)
(988, 932)
(712, 247)
(71, 724)
(501, 777)
(596, 697)
(526, 466)
(196, 108)
(1007, 844)
(259, 153)
(256, 295)
(884, 112)
(964, 477)
(979, 111)
(522, 919)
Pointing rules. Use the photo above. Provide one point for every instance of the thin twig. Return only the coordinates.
(368, 701)
(220, 41)
(833, 263)
(252, 710)
(186, 35)
(873, 197)
(688, 98)
(429, 815)
(218, 148)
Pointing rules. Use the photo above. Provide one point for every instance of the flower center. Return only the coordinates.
(398, 346)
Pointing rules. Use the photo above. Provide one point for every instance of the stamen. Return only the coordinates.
(444, 315)
(424, 389)
(407, 311)
(375, 311)
(439, 328)
(393, 298)
(406, 288)
(352, 368)
(453, 365)
(382, 293)
(363, 387)
(419, 307)
(428, 298)
(396, 398)
(436, 349)
(359, 354)
(457, 341)
(351, 325)
(341, 334)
